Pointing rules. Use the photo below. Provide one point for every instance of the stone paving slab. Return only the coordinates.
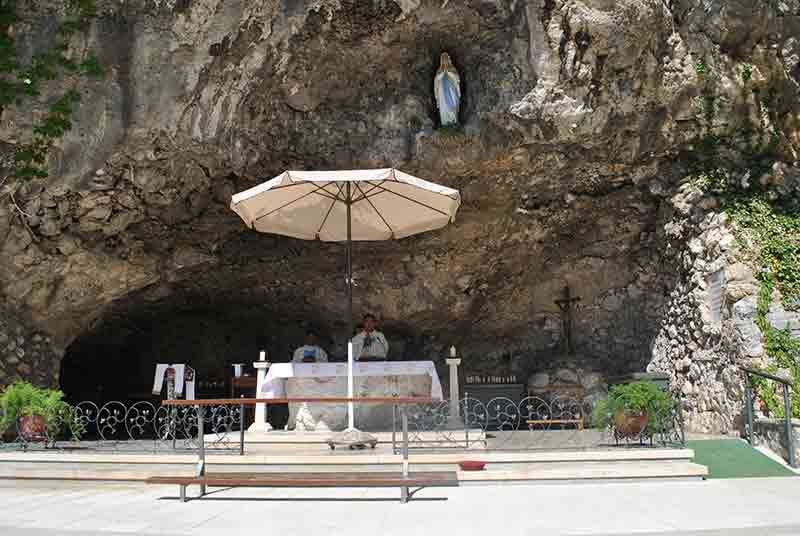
(730, 507)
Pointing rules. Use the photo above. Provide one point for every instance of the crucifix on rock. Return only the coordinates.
(565, 304)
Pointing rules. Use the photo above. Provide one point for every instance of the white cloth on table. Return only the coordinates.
(319, 354)
(274, 383)
(183, 375)
(373, 344)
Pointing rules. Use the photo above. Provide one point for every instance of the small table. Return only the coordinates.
(244, 385)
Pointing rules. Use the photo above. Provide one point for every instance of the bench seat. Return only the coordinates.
(377, 479)
(576, 422)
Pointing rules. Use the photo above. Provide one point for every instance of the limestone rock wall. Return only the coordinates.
(579, 117)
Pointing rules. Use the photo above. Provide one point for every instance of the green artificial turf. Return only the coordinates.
(733, 458)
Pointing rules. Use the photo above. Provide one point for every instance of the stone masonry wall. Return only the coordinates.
(25, 353)
(700, 353)
(771, 433)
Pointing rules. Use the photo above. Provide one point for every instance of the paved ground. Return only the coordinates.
(736, 507)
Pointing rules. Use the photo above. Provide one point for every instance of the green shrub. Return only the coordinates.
(633, 399)
(22, 398)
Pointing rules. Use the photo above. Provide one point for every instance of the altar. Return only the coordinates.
(373, 379)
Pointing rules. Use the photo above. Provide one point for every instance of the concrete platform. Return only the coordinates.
(289, 437)
(502, 467)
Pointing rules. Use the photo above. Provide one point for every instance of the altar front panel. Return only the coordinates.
(369, 417)
(296, 380)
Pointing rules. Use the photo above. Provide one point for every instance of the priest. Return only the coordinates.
(369, 343)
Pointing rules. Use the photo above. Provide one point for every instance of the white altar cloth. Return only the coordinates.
(275, 383)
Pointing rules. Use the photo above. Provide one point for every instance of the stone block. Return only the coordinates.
(591, 380)
(780, 318)
(750, 339)
(566, 376)
(539, 380)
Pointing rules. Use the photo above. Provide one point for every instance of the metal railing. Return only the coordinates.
(138, 427)
(561, 422)
(787, 409)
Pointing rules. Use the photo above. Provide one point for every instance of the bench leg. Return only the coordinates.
(404, 494)
(183, 493)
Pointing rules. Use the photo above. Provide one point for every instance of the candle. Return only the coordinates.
(453, 352)
(262, 355)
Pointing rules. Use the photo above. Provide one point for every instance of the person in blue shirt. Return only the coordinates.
(310, 352)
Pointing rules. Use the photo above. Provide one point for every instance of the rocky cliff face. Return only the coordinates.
(580, 117)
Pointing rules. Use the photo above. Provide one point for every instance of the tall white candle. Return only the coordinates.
(262, 355)
(453, 352)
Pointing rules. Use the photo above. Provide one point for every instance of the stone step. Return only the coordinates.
(559, 472)
(356, 458)
(493, 474)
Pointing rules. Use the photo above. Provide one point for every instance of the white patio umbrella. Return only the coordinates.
(342, 206)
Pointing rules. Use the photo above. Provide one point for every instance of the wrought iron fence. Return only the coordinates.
(140, 426)
(501, 423)
(535, 423)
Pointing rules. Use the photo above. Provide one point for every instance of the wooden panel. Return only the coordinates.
(319, 480)
(485, 392)
(323, 400)
(245, 382)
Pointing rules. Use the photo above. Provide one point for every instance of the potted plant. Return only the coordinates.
(636, 410)
(34, 413)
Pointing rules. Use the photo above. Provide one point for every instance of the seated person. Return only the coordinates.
(370, 343)
(310, 352)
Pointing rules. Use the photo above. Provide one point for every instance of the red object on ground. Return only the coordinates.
(472, 465)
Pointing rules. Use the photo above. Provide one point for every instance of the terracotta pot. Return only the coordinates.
(629, 426)
(472, 465)
(33, 428)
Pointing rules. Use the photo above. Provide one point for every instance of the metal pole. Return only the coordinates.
(466, 424)
(787, 401)
(201, 462)
(241, 426)
(405, 440)
(748, 399)
(349, 263)
(173, 411)
(394, 428)
(350, 357)
(404, 489)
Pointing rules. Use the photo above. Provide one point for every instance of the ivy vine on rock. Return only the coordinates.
(767, 227)
(20, 83)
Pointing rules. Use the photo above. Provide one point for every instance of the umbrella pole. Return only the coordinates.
(350, 357)
(351, 436)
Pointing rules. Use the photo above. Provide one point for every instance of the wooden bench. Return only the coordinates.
(404, 479)
(380, 479)
(577, 422)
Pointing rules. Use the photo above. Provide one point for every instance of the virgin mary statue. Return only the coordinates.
(447, 88)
